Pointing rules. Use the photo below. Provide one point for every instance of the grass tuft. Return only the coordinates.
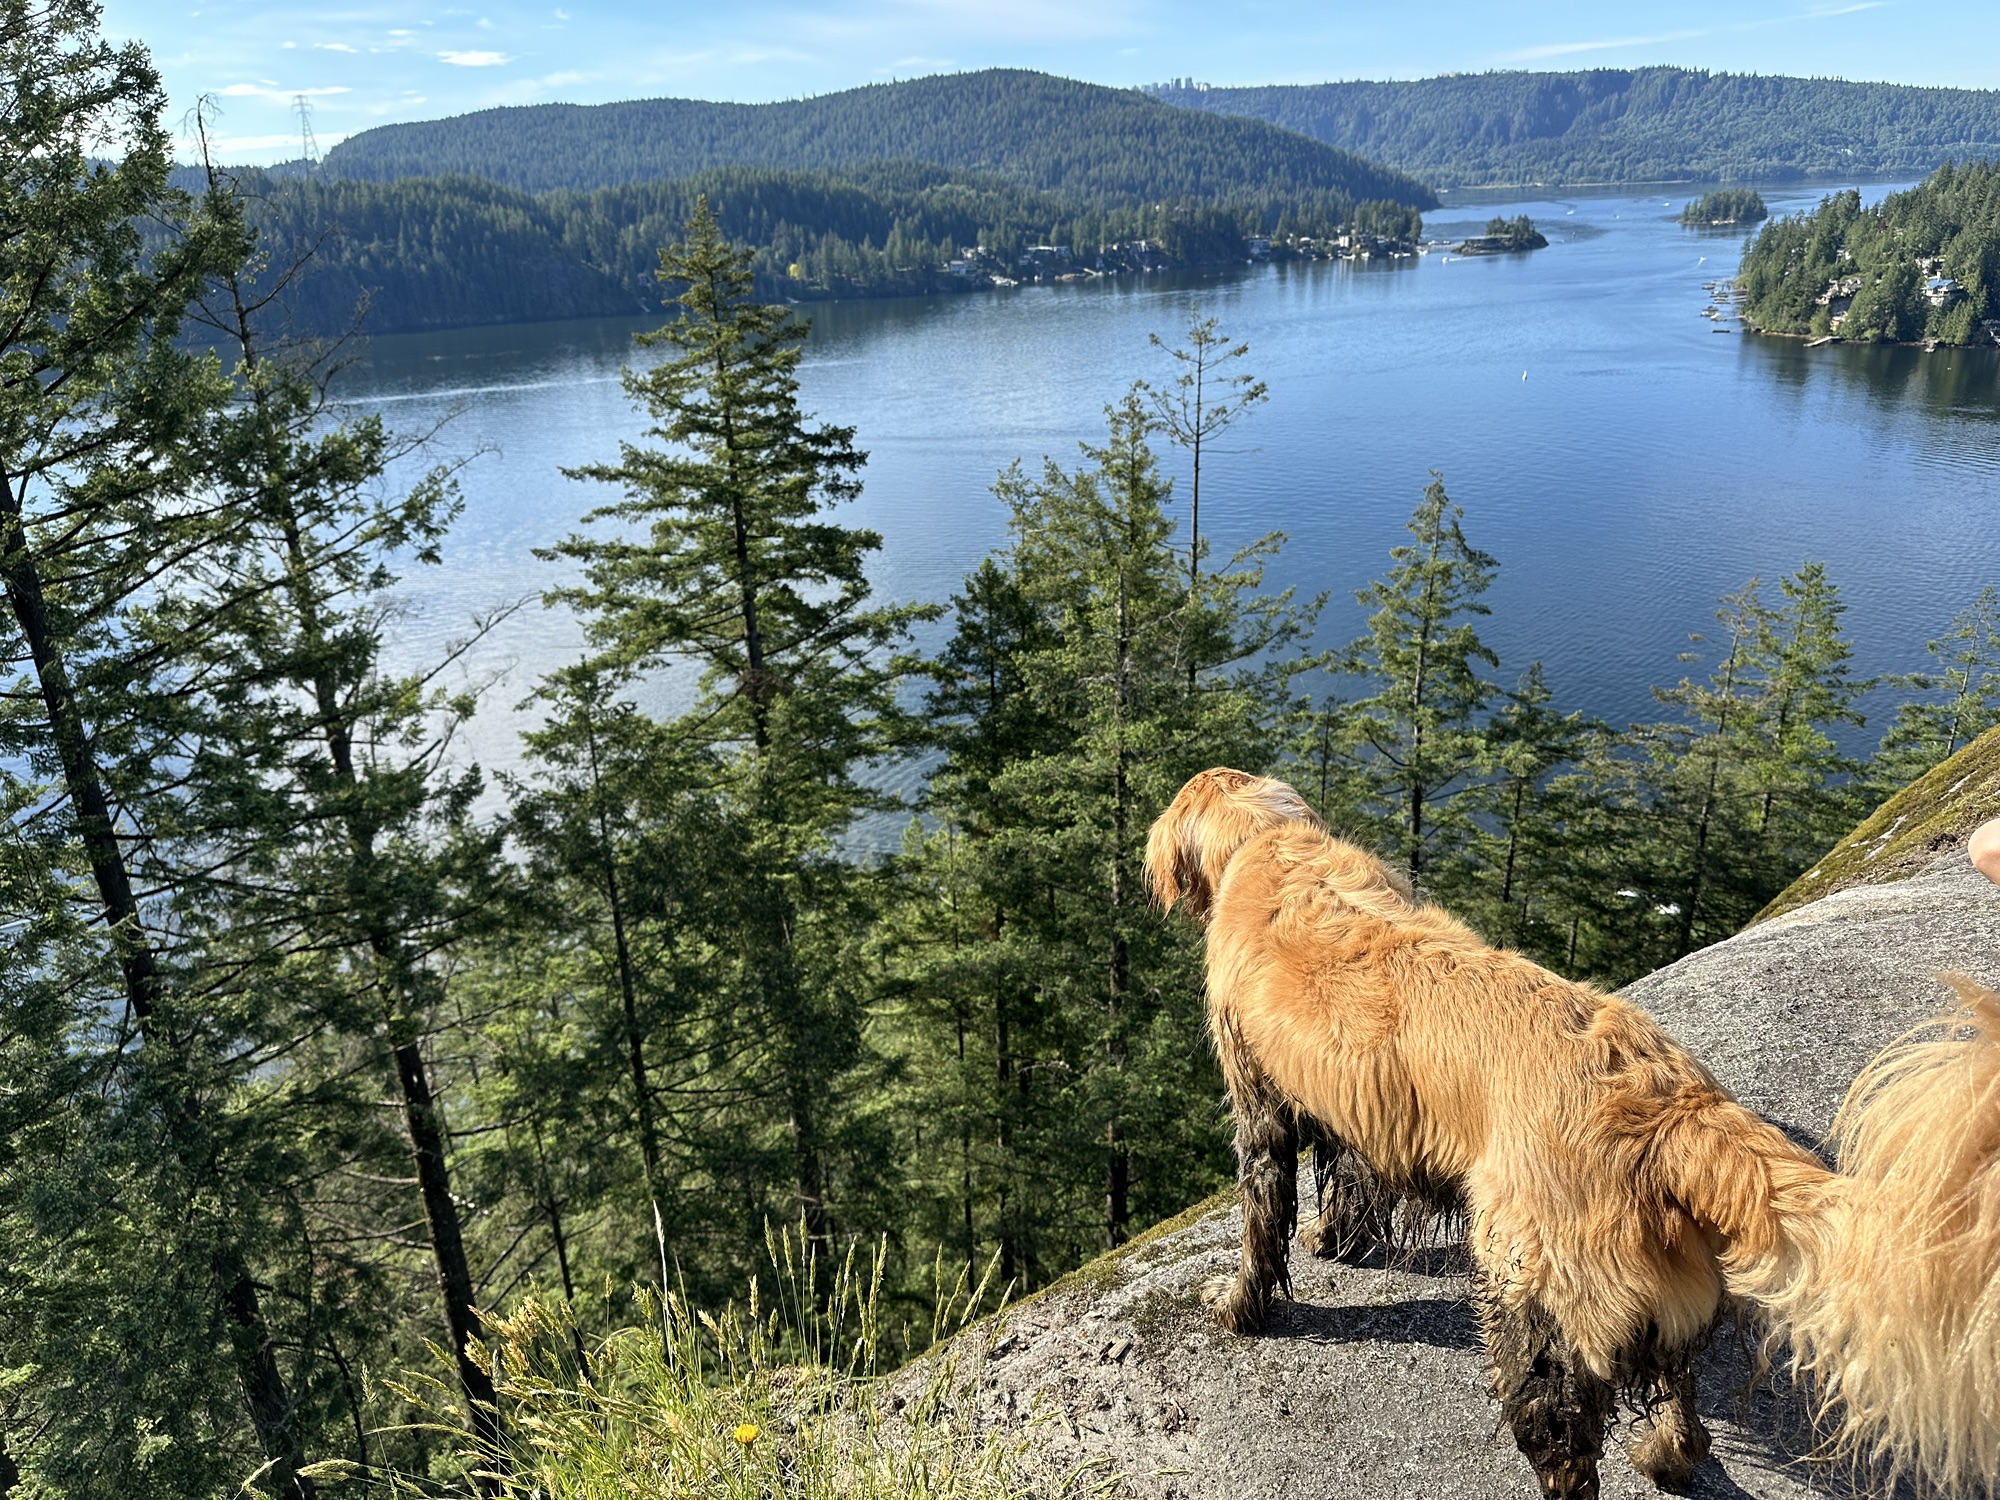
(777, 1396)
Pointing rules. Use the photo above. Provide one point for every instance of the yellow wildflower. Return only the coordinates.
(747, 1434)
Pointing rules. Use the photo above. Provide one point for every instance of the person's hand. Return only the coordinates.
(1984, 850)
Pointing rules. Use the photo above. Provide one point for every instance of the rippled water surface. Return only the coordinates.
(1624, 460)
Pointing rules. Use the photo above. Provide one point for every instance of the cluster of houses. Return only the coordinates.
(1062, 263)
(1939, 291)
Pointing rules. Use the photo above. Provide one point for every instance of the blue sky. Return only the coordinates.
(366, 62)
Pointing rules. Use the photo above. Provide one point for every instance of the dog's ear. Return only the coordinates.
(1173, 852)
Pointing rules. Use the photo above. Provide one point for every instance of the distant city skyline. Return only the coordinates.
(366, 63)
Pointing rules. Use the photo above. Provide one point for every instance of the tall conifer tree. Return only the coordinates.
(1413, 740)
(732, 568)
(97, 416)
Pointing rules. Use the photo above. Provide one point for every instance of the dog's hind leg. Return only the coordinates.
(1355, 1210)
(1557, 1409)
(1668, 1443)
(1267, 1179)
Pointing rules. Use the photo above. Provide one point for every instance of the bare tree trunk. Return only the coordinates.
(427, 1147)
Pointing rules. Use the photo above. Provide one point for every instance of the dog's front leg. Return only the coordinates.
(1556, 1407)
(1267, 1179)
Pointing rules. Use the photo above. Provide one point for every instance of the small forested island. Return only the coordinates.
(1725, 206)
(1504, 237)
(1921, 266)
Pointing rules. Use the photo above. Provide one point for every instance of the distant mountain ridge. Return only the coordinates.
(1045, 133)
(1619, 126)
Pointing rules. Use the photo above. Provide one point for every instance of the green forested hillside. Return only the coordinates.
(1924, 264)
(441, 252)
(1088, 142)
(1610, 125)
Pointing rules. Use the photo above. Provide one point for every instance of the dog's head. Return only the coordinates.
(1213, 816)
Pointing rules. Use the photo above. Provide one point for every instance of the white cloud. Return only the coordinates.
(561, 14)
(269, 90)
(475, 59)
(227, 147)
(334, 47)
(1570, 49)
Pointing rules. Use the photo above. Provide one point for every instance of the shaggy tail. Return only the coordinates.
(1885, 1279)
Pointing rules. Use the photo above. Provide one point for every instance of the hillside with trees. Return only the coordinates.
(1922, 265)
(1054, 134)
(443, 252)
(1618, 126)
(944, 184)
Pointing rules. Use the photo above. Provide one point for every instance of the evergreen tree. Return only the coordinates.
(1701, 868)
(736, 572)
(1808, 793)
(1529, 810)
(135, 1246)
(1199, 403)
(341, 831)
(1966, 702)
(1413, 744)
(1072, 718)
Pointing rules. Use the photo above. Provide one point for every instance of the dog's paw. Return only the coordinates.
(1233, 1307)
(1571, 1479)
(1668, 1449)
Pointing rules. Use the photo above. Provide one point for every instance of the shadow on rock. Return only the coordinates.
(1439, 1323)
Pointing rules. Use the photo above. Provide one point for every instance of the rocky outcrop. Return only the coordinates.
(1370, 1381)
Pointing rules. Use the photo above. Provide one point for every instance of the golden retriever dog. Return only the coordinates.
(1614, 1193)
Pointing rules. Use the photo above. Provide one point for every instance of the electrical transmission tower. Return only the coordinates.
(309, 146)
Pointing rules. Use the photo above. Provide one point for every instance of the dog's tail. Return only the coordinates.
(1884, 1278)
(1210, 818)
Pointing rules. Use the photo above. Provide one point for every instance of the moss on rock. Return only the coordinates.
(1936, 812)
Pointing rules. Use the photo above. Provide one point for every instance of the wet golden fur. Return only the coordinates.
(1614, 1191)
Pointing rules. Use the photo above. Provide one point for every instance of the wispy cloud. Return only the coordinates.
(334, 47)
(272, 91)
(533, 90)
(1825, 13)
(475, 59)
(1608, 44)
(283, 145)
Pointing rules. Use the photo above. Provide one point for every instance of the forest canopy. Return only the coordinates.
(1614, 125)
(441, 252)
(1922, 264)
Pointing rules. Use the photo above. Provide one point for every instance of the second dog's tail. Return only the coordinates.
(1885, 1277)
